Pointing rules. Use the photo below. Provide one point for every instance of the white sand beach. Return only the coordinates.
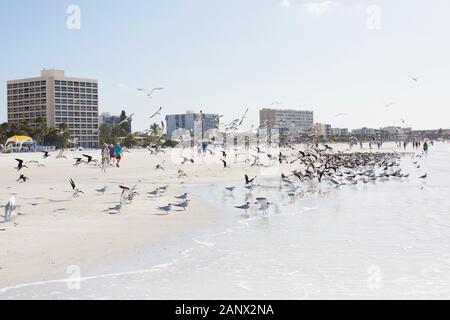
(55, 230)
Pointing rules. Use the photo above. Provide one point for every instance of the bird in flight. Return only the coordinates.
(160, 166)
(20, 165)
(340, 115)
(157, 113)
(387, 105)
(128, 119)
(46, 155)
(415, 79)
(152, 92)
(76, 191)
(23, 178)
(249, 181)
(243, 117)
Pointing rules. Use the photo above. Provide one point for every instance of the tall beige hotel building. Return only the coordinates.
(58, 99)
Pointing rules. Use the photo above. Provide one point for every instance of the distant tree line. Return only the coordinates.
(43, 135)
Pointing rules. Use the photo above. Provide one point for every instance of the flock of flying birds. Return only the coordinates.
(314, 164)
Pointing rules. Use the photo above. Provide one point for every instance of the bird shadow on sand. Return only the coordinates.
(57, 201)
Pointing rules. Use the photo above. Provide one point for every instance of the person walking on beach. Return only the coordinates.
(118, 154)
(112, 156)
(425, 147)
(105, 155)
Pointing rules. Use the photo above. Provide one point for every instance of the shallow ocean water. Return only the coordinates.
(383, 240)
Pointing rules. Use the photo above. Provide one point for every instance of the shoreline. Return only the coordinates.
(58, 231)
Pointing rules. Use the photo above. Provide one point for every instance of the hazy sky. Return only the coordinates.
(343, 56)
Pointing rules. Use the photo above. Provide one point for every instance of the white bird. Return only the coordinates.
(10, 209)
(157, 113)
(150, 95)
(154, 192)
(166, 209)
(102, 190)
(183, 204)
(264, 204)
(128, 119)
(415, 79)
(183, 197)
(387, 105)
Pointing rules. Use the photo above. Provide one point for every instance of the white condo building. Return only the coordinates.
(294, 120)
(58, 99)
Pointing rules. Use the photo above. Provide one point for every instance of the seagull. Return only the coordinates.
(166, 209)
(340, 115)
(154, 192)
(389, 104)
(183, 204)
(20, 165)
(424, 176)
(23, 178)
(245, 207)
(75, 189)
(128, 119)
(415, 79)
(264, 204)
(243, 117)
(157, 113)
(231, 189)
(102, 190)
(73, 141)
(118, 207)
(10, 209)
(187, 160)
(183, 197)
(160, 166)
(182, 174)
(150, 95)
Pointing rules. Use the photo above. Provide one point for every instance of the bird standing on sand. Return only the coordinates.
(183, 205)
(102, 190)
(166, 209)
(183, 197)
(245, 207)
(10, 209)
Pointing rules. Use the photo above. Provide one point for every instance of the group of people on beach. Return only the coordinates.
(416, 144)
(111, 155)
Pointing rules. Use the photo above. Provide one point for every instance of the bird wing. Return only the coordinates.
(72, 184)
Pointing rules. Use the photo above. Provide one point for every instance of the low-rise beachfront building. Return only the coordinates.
(57, 99)
(366, 133)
